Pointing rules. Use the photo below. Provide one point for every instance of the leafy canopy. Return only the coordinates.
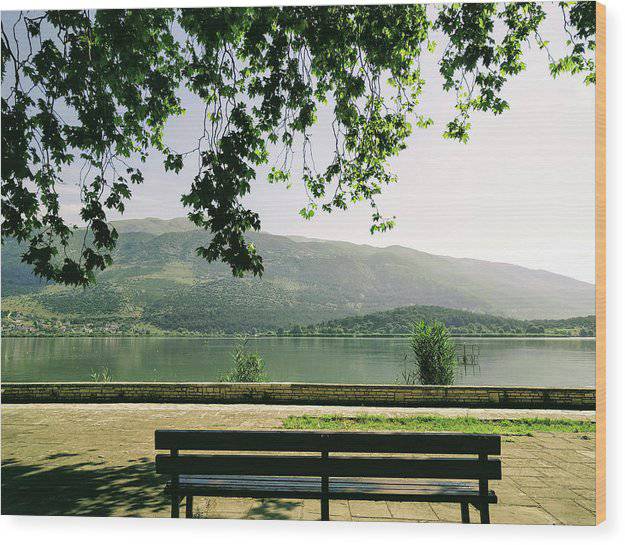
(95, 89)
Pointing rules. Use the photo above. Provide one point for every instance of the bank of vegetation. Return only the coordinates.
(391, 323)
(399, 321)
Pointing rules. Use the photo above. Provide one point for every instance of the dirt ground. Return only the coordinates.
(98, 460)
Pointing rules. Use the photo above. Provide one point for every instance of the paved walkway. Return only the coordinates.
(97, 460)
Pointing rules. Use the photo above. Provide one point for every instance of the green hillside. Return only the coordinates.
(399, 321)
(158, 283)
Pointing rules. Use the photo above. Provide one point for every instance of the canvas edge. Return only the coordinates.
(600, 262)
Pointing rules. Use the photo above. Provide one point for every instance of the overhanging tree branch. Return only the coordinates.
(263, 74)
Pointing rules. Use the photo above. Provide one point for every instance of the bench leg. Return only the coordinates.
(325, 489)
(484, 513)
(175, 506)
(189, 507)
(483, 504)
(325, 509)
(464, 511)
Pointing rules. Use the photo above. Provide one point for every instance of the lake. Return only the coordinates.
(502, 361)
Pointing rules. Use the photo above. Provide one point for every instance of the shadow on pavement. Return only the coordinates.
(274, 509)
(82, 489)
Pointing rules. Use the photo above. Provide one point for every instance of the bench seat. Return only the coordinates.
(338, 488)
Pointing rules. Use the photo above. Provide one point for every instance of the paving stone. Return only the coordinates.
(586, 503)
(584, 470)
(527, 471)
(369, 509)
(236, 506)
(276, 509)
(311, 510)
(412, 511)
(569, 456)
(558, 473)
(512, 450)
(507, 514)
(339, 510)
(509, 494)
(540, 493)
(525, 481)
(450, 512)
(587, 494)
(394, 520)
(218, 515)
(573, 483)
(568, 512)
(510, 462)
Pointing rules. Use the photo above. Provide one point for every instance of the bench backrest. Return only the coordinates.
(478, 467)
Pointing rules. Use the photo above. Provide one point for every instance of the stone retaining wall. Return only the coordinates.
(300, 394)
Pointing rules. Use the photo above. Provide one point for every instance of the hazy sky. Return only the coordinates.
(521, 191)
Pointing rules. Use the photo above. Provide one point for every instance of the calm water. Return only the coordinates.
(520, 362)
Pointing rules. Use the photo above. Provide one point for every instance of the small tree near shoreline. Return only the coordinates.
(434, 355)
(248, 366)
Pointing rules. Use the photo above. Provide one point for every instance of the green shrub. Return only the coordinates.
(434, 354)
(104, 375)
(247, 366)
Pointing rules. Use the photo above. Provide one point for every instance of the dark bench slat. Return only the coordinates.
(315, 482)
(447, 468)
(310, 488)
(317, 441)
(371, 481)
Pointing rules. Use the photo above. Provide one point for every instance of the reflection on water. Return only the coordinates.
(504, 361)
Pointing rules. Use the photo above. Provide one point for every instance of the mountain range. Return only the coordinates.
(157, 279)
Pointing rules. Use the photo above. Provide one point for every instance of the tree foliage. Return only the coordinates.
(95, 89)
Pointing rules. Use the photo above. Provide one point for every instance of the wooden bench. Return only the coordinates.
(451, 467)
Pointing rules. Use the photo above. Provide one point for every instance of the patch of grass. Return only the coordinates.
(366, 422)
